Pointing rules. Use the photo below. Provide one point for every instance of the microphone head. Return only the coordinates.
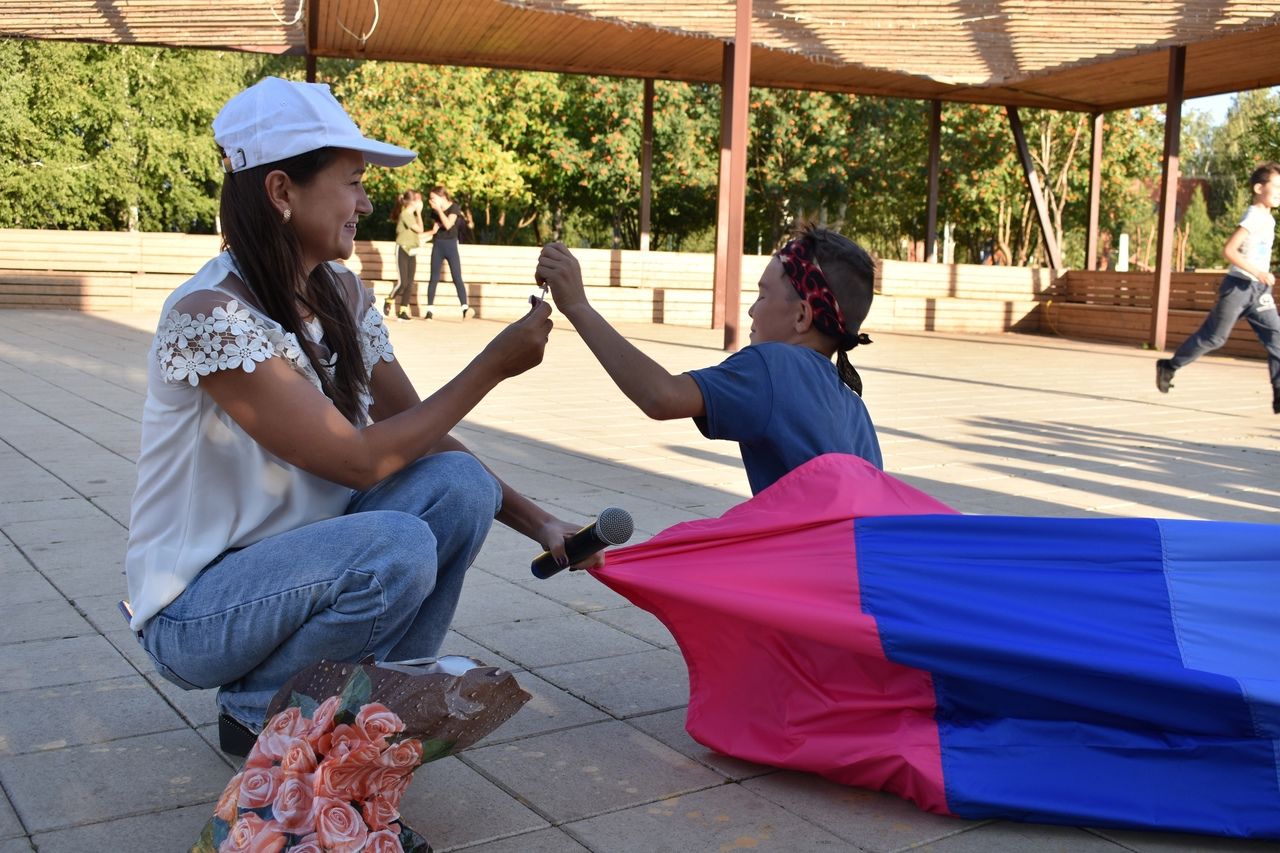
(614, 525)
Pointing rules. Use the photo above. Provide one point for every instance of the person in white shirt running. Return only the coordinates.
(1246, 291)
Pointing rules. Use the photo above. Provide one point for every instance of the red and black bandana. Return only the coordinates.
(807, 278)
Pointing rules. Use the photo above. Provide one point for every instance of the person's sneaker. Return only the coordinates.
(234, 737)
(1164, 375)
(428, 315)
(466, 309)
(402, 316)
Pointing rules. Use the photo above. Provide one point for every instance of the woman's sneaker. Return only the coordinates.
(466, 309)
(428, 315)
(1164, 375)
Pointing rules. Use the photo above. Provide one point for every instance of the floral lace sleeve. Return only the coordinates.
(193, 343)
(375, 346)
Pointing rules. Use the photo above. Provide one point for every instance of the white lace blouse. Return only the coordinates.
(203, 484)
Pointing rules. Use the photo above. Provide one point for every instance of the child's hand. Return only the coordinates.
(559, 270)
(520, 346)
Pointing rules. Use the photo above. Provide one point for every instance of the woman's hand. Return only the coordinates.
(552, 534)
(520, 346)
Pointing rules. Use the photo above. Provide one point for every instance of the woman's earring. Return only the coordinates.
(286, 216)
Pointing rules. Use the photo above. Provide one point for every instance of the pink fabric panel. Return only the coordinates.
(784, 668)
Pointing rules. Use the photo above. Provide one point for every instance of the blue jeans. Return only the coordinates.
(1237, 297)
(381, 580)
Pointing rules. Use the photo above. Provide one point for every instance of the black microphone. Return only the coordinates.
(612, 527)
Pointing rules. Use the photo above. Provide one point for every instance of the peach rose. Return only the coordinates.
(383, 841)
(347, 777)
(377, 721)
(307, 844)
(292, 805)
(252, 834)
(322, 720)
(226, 808)
(339, 828)
(404, 755)
(299, 758)
(379, 812)
(258, 786)
(340, 741)
(389, 783)
(280, 731)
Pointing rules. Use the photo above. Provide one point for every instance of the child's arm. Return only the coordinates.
(1231, 251)
(659, 394)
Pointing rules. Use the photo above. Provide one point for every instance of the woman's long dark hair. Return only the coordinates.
(269, 256)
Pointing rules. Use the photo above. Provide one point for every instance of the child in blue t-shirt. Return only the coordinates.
(782, 399)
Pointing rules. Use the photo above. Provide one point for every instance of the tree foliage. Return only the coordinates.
(105, 137)
(94, 132)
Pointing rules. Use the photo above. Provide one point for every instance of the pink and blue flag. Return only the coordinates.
(1120, 672)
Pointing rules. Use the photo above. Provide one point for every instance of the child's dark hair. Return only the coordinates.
(850, 272)
(1263, 173)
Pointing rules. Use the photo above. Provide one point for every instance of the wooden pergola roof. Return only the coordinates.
(1089, 55)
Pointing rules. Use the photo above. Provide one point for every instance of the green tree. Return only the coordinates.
(107, 137)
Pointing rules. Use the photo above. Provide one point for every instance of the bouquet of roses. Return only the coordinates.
(339, 749)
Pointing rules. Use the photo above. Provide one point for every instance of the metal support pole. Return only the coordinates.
(646, 164)
(1033, 185)
(1168, 198)
(1095, 194)
(737, 173)
(931, 216)
(721, 274)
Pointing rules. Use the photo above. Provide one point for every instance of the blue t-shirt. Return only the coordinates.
(784, 404)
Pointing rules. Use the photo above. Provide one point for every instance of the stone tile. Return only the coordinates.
(10, 826)
(41, 620)
(454, 806)
(549, 710)
(542, 841)
(156, 832)
(1177, 842)
(23, 584)
(84, 578)
(654, 680)
(637, 623)
(79, 785)
(590, 769)
(560, 639)
(668, 727)
(197, 707)
(723, 818)
(502, 601)
(577, 590)
(90, 526)
(48, 663)
(44, 509)
(75, 714)
(103, 613)
(874, 821)
(1020, 838)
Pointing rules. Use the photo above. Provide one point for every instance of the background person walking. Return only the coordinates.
(1246, 291)
(444, 247)
(407, 215)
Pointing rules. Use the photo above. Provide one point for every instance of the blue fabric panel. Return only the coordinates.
(1058, 772)
(1224, 586)
(1039, 618)
(1062, 693)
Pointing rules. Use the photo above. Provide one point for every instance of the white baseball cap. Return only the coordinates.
(275, 119)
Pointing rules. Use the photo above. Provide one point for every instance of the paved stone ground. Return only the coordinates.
(99, 754)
